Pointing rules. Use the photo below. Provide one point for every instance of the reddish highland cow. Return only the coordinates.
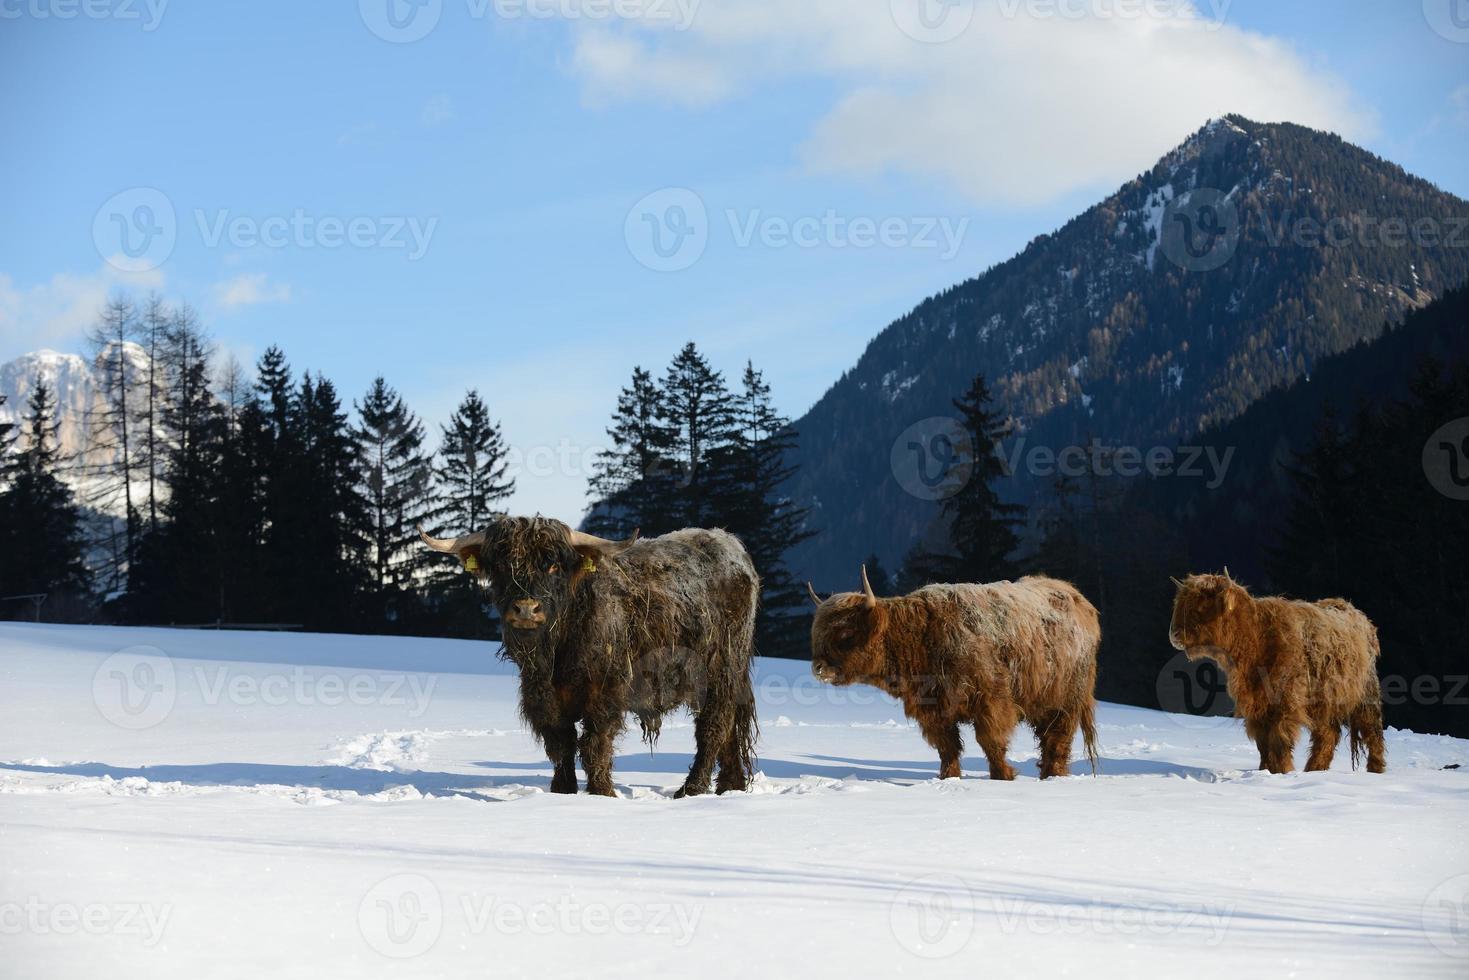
(1288, 664)
(985, 655)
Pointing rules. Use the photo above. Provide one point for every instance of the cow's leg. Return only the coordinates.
(943, 734)
(712, 729)
(1324, 737)
(737, 758)
(599, 731)
(560, 745)
(993, 724)
(1054, 735)
(1276, 738)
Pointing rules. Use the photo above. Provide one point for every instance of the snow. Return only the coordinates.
(182, 804)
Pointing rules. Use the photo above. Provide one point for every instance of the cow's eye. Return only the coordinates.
(553, 569)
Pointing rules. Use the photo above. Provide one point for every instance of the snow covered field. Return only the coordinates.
(200, 804)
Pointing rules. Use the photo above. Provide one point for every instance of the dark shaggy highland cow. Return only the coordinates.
(1288, 664)
(600, 628)
(986, 655)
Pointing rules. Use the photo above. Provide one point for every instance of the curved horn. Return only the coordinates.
(603, 546)
(1175, 581)
(867, 589)
(452, 546)
(815, 599)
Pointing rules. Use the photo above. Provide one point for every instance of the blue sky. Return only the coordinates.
(500, 177)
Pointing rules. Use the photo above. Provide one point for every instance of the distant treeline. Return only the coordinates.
(266, 501)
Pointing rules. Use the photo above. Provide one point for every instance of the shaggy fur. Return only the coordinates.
(986, 655)
(1288, 664)
(667, 623)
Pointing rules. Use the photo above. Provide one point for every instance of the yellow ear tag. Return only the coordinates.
(587, 565)
(471, 563)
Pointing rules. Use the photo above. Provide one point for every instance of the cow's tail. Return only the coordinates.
(1365, 728)
(1089, 731)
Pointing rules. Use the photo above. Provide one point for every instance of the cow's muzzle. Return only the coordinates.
(525, 614)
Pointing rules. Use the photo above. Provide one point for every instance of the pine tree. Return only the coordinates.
(697, 409)
(981, 527)
(750, 471)
(180, 566)
(152, 331)
(633, 484)
(472, 481)
(114, 427)
(39, 522)
(330, 515)
(397, 483)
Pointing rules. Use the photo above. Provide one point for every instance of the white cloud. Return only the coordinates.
(249, 289)
(438, 110)
(1027, 103)
(58, 312)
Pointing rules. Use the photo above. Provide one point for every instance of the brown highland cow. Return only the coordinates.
(985, 655)
(1288, 664)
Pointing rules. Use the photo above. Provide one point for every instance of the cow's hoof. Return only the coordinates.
(687, 790)
(601, 791)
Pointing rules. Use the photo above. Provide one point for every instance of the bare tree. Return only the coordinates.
(109, 341)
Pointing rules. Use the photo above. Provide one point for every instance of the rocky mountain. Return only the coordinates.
(76, 384)
(1228, 270)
